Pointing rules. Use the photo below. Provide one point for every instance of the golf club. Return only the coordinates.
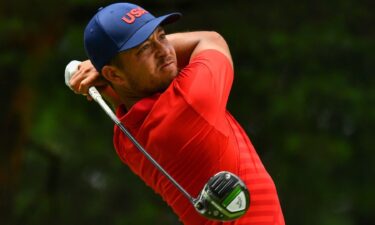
(224, 197)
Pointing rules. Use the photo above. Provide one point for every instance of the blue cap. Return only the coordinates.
(119, 27)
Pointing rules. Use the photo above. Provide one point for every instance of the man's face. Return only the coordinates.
(150, 67)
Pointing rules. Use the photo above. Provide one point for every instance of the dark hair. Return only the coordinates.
(116, 61)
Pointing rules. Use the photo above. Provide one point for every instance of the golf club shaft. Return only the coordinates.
(98, 98)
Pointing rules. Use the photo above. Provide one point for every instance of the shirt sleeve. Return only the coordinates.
(206, 82)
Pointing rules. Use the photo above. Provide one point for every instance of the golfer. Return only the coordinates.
(171, 92)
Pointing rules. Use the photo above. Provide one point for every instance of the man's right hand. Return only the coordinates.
(86, 77)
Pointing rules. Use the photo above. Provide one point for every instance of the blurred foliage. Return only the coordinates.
(304, 92)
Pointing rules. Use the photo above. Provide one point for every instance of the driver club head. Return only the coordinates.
(225, 197)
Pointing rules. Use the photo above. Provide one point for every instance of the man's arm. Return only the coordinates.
(189, 44)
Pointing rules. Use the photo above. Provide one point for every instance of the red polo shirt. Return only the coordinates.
(189, 132)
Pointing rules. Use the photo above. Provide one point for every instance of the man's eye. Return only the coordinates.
(145, 47)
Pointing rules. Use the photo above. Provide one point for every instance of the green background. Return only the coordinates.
(303, 90)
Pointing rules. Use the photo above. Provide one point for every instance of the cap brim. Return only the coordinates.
(146, 30)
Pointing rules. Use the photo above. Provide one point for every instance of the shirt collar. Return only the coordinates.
(138, 112)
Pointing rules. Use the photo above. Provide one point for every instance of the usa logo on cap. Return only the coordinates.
(133, 14)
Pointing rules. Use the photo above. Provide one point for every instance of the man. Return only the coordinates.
(171, 92)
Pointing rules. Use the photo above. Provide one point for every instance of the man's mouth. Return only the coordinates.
(167, 63)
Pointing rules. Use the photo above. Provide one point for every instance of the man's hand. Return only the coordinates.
(86, 77)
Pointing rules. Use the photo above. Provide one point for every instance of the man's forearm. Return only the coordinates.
(189, 44)
(184, 45)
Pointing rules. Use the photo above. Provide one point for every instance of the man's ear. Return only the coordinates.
(110, 73)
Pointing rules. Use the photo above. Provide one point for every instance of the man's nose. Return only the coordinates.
(161, 49)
